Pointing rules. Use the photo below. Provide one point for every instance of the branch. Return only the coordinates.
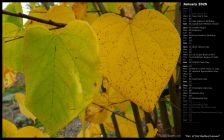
(158, 6)
(148, 118)
(101, 7)
(95, 6)
(164, 115)
(93, 11)
(21, 15)
(162, 3)
(117, 131)
(103, 131)
(175, 102)
(135, 5)
(137, 120)
(122, 13)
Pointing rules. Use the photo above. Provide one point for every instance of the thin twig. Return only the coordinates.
(93, 11)
(114, 103)
(121, 15)
(13, 39)
(113, 112)
(21, 15)
(166, 10)
(23, 36)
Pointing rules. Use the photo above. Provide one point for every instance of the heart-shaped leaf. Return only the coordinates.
(138, 56)
(61, 72)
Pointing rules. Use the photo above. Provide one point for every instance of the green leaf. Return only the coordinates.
(14, 7)
(91, 7)
(149, 5)
(12, 49)
(110, 7)
(9, 30)
(32, 4)
(61, 72)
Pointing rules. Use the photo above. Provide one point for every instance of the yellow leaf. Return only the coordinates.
(20, 98)
(121, 5)
(96, 111)
(79, 9)
(122, 121)
(170, 8)
(115, 7)
(87, 134)
(126, 127)
(9, 129)
(5, 70)
(129, 112)
(9, 77)
(83, 121)
(91, 17)
(9, 31)
(170, 14)
(39, 12)
(31, 132)
(108, 124)
(105, 83)
(170, 4)
(61, 14)
(139, 56)
(93, 131)
(117, 100)
(151, 131)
